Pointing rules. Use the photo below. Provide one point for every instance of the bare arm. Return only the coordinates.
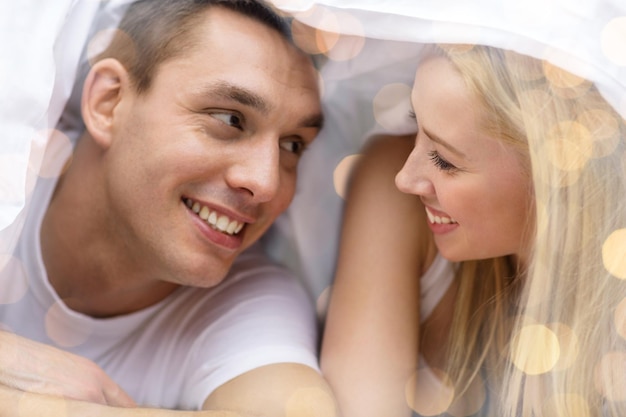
(370, 345)
(288, 390)
(34, 367)
(280, 390)
(17, 403)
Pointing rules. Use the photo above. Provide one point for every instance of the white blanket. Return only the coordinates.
(366, 79)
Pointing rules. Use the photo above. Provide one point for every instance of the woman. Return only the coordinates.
(515, 202)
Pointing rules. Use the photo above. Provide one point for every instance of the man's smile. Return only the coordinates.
(217, 221)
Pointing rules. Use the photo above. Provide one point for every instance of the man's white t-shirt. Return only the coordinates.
(175, 353)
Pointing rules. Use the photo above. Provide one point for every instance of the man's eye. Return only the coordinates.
(293, 146)
(230, 119)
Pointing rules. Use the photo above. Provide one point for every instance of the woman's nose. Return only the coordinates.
(413, 177)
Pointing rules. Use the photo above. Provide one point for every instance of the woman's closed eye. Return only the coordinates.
(440, 162)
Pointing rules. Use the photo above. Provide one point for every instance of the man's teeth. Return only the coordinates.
(219, 222)
(439, 219)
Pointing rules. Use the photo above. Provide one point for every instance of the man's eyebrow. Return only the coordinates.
(249, 98)
(315, 120)
(237, 93)
(443, 143)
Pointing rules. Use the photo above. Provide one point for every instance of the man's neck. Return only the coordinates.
(83, 261)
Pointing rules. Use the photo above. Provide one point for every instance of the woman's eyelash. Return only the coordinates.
(440, 163)
(412, 115)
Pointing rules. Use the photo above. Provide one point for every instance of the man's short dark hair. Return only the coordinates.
(153, 31)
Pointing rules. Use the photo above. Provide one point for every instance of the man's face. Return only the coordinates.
(204, 161)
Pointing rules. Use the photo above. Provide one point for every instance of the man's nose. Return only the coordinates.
(413, 178)
(256, 169)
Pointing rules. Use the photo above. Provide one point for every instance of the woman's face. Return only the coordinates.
(476, 194)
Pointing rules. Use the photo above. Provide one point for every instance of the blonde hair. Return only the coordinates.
(551, 345)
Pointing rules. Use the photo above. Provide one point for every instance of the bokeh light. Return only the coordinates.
(63, 332)
(614, 253)
(338, 35)
(310, 402)
(564, 83)
(536, 349)
(429, 394)
(612, 40)
(347, 46)
(13, 279)
(569, 146)
(313, 40)
(392, 105)
(341, 175)
(604, 129)
(610, 376)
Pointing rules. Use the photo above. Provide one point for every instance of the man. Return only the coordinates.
(195, 116)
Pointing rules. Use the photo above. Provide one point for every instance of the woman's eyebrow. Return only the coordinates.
(443, 143)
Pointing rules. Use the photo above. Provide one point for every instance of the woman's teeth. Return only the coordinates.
(438, 219)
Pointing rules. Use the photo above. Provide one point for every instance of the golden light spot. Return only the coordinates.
(568, 343)
(13, 279)
(392, 105)
(620, 318)
(612, 40)
(429, 394)
(341, 175)
(322, 303)
(102, 40)
(564, 83)
(604, 129)
(536, 349)
(310, 402)
(614, 253)
(566, 405)
(62, 332)
(351, 41)
(569, 146)
(610, 376)
(471, 401)
(313, 40)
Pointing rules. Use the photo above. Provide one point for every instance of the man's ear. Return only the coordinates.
(104, 87)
